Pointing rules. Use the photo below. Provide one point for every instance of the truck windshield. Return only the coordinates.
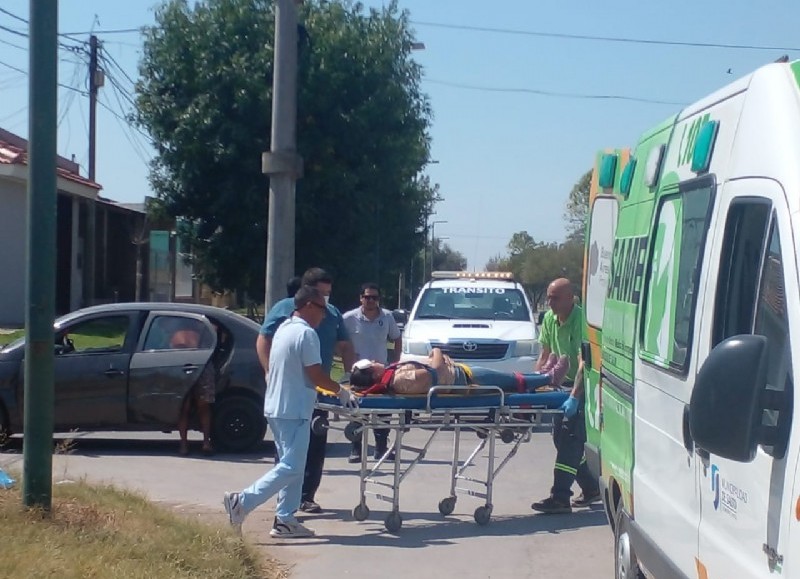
(473, 303)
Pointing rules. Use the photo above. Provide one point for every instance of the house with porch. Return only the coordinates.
(91, 229)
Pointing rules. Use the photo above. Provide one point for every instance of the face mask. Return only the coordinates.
(327, 300)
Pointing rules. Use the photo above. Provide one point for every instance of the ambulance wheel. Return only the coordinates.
(393, 522)
(625, 563)
(319, 425)
(507, 435)
(352, 431)
(447, 506)
(361, 512)
(483, 515)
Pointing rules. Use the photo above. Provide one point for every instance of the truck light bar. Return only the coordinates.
(472, 275)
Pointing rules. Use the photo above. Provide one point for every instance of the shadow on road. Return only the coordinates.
(92, 444)
(429, 529)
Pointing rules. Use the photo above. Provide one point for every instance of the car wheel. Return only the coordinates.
(5, 430)
(627, 566)
(239, 424)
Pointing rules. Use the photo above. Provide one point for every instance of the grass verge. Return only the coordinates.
(101, 532)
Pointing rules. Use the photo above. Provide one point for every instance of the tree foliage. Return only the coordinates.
(204, 95)
(445, 258)
(577, 208)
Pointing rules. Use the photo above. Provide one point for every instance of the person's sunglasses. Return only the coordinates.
(372, 298)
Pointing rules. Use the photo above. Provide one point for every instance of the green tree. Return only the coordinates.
(577, 208)
(445, 258)
(204, 95)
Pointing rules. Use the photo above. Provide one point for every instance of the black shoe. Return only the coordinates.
(551, 506)
(379, 454)
(586, 499)
(310, 507)
(354, 457)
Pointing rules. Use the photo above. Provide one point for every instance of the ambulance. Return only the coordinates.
(692, 295)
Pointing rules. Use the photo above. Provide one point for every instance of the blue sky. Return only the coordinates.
(507, 157)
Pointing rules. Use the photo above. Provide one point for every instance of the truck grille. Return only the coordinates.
(473, 350)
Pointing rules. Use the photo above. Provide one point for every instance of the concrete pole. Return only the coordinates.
(282, 163)
(40, 290)
(90, 247)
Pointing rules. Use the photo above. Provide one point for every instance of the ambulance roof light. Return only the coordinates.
(608, 170)
(653, 166)
(472, 275)
(704, 146)
(627, 178)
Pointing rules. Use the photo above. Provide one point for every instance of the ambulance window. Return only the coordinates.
(737, 282)
(772, 321)
(672, 275)
(598, 265)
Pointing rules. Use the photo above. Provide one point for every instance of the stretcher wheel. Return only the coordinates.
(483, 515)
(319, 425)
(361, 512)
(481, 433)
(447, 506)
(507, 435)
(352, 431)
(393, 522)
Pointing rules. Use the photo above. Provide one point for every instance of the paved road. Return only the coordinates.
(517, 542)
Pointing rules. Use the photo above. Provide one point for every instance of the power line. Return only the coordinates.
(14, 16)
(98, 32)
(62, 85)
(556, 94)
(602, 38)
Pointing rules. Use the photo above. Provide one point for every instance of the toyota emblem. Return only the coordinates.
(470, 346)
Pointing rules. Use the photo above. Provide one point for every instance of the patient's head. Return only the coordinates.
(365, 373)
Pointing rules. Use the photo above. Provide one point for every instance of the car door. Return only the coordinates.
(91, 371)
(666, 502)
(746, 507)
(173, 349)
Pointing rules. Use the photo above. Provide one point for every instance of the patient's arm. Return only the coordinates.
(437, 359)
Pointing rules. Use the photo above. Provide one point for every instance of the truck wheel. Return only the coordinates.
(238, 424)
(627, 566)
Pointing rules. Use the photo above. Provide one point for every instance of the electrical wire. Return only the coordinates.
(556, 94)
(590, 37)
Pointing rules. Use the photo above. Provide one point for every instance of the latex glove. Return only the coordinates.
(345, 379)
(347, 398)
(570, 407)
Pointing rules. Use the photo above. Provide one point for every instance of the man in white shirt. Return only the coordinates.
(370, 328)
(295, 370)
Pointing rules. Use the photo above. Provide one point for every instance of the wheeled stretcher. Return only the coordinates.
(488, 411)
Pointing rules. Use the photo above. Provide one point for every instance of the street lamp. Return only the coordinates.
(433, 239)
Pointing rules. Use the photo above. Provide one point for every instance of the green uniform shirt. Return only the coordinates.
(563, 339)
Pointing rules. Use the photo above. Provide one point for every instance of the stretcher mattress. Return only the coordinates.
(549, 400)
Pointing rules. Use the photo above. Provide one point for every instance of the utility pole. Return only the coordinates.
(37, 476)
(90, 250)
(282, 163)
(433, 240)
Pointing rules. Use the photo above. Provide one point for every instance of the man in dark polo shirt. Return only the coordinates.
(561, 334)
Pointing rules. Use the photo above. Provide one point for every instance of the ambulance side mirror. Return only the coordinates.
(725, 410)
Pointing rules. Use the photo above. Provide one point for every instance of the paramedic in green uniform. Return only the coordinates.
(561, 334)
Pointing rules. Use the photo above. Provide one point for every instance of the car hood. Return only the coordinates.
(449, 330)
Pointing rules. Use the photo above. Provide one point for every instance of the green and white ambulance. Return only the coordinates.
(691, 409)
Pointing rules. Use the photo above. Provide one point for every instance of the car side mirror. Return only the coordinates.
(725, 410)
(540, 318)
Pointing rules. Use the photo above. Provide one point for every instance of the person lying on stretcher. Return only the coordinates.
(368, 377)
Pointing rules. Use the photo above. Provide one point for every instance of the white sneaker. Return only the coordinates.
(233, 506)
(290, 530)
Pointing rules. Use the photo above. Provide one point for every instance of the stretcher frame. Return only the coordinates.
(487, 411)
